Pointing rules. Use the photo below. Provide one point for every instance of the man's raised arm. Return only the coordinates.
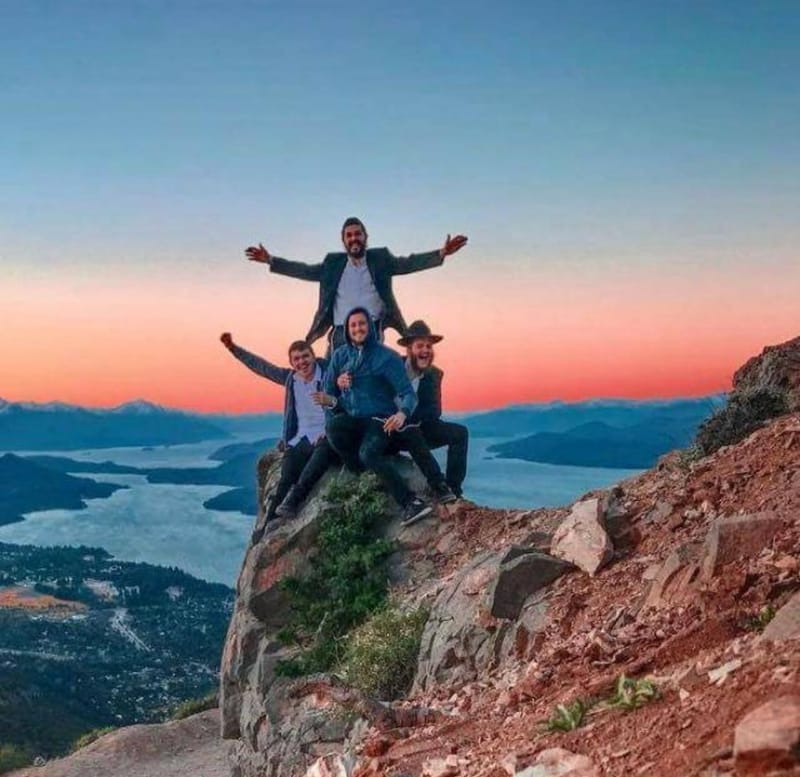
(255, 363)
(402, 265)
(301, 270)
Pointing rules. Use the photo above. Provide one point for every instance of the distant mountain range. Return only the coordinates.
(631, 437)
(661, 414)
(26, 486)
(27, 426)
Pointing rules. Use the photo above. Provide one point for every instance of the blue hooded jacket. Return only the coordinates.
(378, 373)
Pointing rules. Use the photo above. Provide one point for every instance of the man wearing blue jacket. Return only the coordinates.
(368, 383)
(307, 453)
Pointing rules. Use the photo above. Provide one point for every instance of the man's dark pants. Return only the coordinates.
(412, 439)
(438, 433)
(362, 444)
(303, 465)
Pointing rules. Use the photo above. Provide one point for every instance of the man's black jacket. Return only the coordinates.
(382, 266)
(429, 396)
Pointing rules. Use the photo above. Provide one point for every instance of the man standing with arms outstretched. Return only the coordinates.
(357, 277)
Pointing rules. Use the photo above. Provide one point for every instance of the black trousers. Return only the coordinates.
(362, 444)
(412, 439)
(303, 465)
(437, 434)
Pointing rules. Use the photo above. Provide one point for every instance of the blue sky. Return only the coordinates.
(145, 114)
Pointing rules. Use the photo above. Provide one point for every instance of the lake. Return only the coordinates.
(168, 525)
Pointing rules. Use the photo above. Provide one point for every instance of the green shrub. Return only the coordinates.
(743, 414)
(192, 706)
(13, 757)
(91, 736)
(380, 656)
(568, 717)
(761, 619)
(630, 694)
(347, 580)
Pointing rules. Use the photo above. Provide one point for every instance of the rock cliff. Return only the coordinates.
(653, 628)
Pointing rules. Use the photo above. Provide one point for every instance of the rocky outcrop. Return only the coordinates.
(281, 731)
(486, 616)
(776, 368)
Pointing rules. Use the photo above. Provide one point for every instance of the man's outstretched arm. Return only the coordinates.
(255, 363)
(402, 265)
(301, 270)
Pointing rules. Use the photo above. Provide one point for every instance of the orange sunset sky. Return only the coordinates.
(627, 175)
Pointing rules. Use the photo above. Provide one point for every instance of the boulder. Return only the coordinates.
(769, 736)
(582, 539)
(487, 615)
(786, 623)
(520, 574)
(557, 762)
(737, 537)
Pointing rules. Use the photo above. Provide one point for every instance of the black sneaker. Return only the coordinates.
(415, 511)
(443, 494)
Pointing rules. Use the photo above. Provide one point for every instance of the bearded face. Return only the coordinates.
(354, 239)
(420, 353)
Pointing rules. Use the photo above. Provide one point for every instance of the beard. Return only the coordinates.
(356, 250)
(419, 367)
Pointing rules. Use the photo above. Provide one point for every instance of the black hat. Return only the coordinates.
(415, 331)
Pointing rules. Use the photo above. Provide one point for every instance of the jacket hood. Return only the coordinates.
(372, 336)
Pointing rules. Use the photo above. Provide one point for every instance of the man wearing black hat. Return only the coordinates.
(358, 277)
(426, 380)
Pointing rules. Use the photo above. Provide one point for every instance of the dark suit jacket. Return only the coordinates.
(382, 266)
(429, 396)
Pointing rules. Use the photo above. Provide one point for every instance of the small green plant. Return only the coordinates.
(13, 757)
(347, 581)
(380, 656)
(744, 413)
(568, 717)
(630, 693)
(689, 456)
(193, 706)
(759, 621)
(91, 736)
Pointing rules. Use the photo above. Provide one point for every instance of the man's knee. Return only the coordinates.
(370, 451)
(460, 433)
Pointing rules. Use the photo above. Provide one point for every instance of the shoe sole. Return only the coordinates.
(417, 516)
(448, 500)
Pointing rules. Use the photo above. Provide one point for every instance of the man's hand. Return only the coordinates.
(258, 254)
(323, 399)
(452, 244)
(227, 340)
(344, 381)
(394, 422)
